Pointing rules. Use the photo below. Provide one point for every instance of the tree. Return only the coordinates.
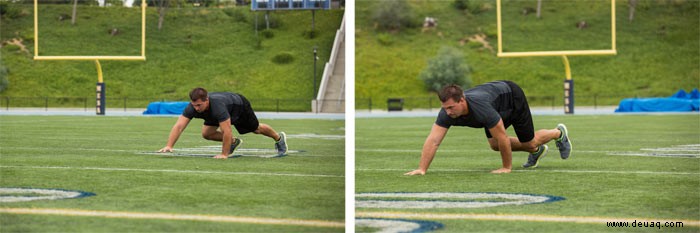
(632, 5)
(539, 8)
(75, 12)
(393, 15)
(162, 8)
(446, 68)
(4, 83)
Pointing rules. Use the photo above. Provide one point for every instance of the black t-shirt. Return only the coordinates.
(488, 103)
(222, 106)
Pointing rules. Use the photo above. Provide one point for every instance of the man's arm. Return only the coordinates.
(498, 132)
(226, 140)
(175, 133)
(437, 133)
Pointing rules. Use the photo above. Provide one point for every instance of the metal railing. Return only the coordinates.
(329, 67)
(410, 103)
(7, 103)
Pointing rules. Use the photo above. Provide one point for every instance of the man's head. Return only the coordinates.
(199, 99)
(452, 98)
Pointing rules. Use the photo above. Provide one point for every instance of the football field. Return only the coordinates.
(100, 174)
(627, 173)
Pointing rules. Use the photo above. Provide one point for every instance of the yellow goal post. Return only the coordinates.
(568, 82)
(100, 88)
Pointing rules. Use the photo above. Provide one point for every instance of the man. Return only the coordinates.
(493, 106)
(220, 110)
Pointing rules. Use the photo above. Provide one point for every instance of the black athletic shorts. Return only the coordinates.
(520, 119)
(247, 122)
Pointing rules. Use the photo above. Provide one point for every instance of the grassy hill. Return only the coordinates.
(658, 52)
(215, 48)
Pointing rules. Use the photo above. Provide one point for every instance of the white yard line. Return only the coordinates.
(169, 216)
(517, 217)
(173, 171)
(540, 170)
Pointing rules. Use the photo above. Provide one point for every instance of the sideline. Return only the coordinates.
(139, 113)
(516, 217)
(537, 171)
(169, 216)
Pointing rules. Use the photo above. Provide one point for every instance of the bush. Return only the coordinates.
(461, 4)
(310, 34)
(283, 58)
(3, 7)
(274, 22)
(267, 34)
(236, 14)
(385, 39)
(394, 15)
(4, 83)
(446, 68)
(10, 11)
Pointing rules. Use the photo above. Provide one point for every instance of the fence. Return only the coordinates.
(88, 103)
(410, 103)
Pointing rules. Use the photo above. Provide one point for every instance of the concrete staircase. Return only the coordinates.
(331, 95)
(334, 98)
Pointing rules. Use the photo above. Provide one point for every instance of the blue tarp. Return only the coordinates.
(679, 102)
(169, 108)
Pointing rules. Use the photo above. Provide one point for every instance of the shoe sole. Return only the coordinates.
(566, 132)
(284, 138)
(240, 142)
(546, 149)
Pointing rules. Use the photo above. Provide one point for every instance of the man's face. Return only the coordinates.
(455, 109)
(200, 106)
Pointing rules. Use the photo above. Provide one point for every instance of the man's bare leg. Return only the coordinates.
(268, 131)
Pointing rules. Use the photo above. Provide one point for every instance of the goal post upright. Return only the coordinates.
(100, 86)
(568, 81)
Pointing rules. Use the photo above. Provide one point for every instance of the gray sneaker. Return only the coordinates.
(563, 143)
(237, 142)
(281, 145)
(534, 158)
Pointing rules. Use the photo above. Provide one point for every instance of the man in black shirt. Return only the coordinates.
(493, 106)
(220, 110)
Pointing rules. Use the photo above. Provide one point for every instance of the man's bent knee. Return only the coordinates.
(529, 146)
(493, 144)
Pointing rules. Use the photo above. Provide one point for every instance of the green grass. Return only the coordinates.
(215, 48)
(30, 144)
(657, 52)
(594, 182)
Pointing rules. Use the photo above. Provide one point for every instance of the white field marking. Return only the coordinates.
(542, 171)
(677, 151)
(317, 136)
(32, 194)
(465, 150)
(662, 155)
(388, 226)
(419, 150)
(516, 217)
(214, 150)
(169, 216)
(217, 149)
(460, 200)
(175, 171)
(70, 148)
(176, 149)
(673, 149)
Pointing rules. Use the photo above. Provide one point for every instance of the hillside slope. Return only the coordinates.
(658, 52)
(210, 47)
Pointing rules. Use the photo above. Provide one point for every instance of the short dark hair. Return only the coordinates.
(452, 92)
(198, 94)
